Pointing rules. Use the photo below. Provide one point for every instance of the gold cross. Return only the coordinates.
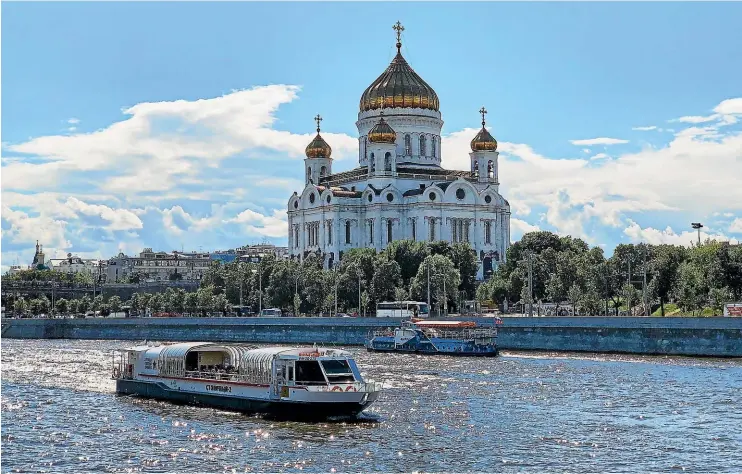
(318, 119)
(483, 111)
(399, 29)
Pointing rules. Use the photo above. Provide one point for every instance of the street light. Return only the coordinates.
(697, 226)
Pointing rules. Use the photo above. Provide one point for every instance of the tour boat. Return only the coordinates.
(294, 383)
(465, 338)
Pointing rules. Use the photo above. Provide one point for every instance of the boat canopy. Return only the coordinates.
(444, 324)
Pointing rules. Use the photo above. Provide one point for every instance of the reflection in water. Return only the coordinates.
(533, 412)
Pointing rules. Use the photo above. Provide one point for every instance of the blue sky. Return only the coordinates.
(182, 124)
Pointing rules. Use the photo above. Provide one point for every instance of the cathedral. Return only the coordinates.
(399, 189)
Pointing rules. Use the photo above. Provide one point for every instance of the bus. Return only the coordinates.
(271, 313)
(402, 309)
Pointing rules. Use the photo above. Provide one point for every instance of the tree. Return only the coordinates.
(365, 299)
(83, 278)
(442, 275)
(20, 305)
(114, 303)
(409, 254)
(190, 302)
(464, 259)
(221, 304)
(205, 298)
(74, 306)
(401, 294)
(297, 304)
(62, 306)
(718, 297)
(97, 303)
(387, 278)
(663, 268)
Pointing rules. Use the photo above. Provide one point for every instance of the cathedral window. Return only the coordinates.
(388, 231)
(488, 199)
(371, 164)
(466, 231)
(371, 231)
(432, 144)
(365, 148)
(407, 145)
(414, 229)
(475, 171)
(309, 174)
(490, 170)
(347, 232)
(453, 230)
(388, 162)
(323, 171)
(329, 233)
(431, 225)
(422, 145)
(488, 232)
(296, 236)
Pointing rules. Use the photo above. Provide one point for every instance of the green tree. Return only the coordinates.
(97, 303)
(190, 302)
(387, 278)
(83, 278)
(718, 297)
(62, 306)
(464, 259)
(365, 300)
(205, 298)
(74, 306)
(114, 303)
(442, 275)
(663, 268)
(409, 254)
(20, 305)
(221, 304)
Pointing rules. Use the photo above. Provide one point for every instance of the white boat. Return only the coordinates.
(295, 383)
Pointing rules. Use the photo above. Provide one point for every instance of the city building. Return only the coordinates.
(74, 264)
(152, 266)
(399, 190)
(249, 253)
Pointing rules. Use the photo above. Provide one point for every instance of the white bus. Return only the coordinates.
(402, 309)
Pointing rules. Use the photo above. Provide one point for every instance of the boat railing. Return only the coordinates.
(467, 334)
(197, 374)
(382, 333)
(346, 387)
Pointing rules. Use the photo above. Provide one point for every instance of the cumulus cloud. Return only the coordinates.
(599, 141)
(668, 236)
(736, 226)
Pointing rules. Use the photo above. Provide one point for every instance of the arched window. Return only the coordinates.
(323, 171)
(431, 224)
(309, 174)
(347, 232)
(414, 230)
(475, 170)
(365, 148)
(388, 231)
(407, 145)
(371, 231)
(388, 162)
(371, 164)
(432, 144)
(422, 145)
(490, 170)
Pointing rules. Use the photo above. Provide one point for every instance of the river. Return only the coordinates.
(522, 412)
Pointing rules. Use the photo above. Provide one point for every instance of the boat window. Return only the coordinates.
(338, 371)
(291, 373)
(308, 372)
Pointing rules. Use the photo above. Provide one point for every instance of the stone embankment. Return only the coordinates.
(718, 337)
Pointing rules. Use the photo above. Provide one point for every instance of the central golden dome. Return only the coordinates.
(399, 86)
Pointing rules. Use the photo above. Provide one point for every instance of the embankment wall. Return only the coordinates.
(720, 337)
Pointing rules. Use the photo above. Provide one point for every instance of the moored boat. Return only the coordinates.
(465, 338)
(294, 383)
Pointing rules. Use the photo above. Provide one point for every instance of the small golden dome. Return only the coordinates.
(382, 132)
(484, 141)
(399, 86)
(318, 148)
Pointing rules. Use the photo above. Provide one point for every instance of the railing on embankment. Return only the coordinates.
(721, 337)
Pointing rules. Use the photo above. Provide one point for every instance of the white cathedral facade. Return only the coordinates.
(399, 189)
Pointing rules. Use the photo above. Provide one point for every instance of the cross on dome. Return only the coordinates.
(482, 111)
(399, 29)
(318, 119)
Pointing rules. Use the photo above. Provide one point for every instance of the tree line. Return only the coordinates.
(636, 279)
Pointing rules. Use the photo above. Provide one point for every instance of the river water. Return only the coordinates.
(524, 412)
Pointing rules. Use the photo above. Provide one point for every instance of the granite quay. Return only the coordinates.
(714, 337)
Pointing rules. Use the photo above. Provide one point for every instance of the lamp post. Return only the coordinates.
(697, 226)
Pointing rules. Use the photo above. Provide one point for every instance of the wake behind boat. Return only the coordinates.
(465, 338)
(294, 383)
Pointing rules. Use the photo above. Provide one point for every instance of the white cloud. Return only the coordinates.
(668, 236)
(518, 227)
(118, 219)
(25, 229)
(645, 129)
(730, 107)
(274, 225)
(599, 156)
(599, 141)
(696, 119)
(161, 141)
(736, 226)
(73, 120)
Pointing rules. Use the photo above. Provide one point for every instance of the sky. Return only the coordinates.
(183, 125)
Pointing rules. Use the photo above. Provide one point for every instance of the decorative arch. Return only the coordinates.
(490, 169)
(475, 170)
(422, 145)
(372, 164)
(388, 161)
(433, 152)
(323, 171)
(407, 145)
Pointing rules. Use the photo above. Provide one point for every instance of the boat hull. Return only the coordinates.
(433, 347)
(283, 409)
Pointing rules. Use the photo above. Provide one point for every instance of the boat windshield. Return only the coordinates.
(338, 370)
(308, 372)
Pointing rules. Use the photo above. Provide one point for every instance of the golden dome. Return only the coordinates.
(318, 148)
(399, 86)
(382, 132)
(484, 141)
